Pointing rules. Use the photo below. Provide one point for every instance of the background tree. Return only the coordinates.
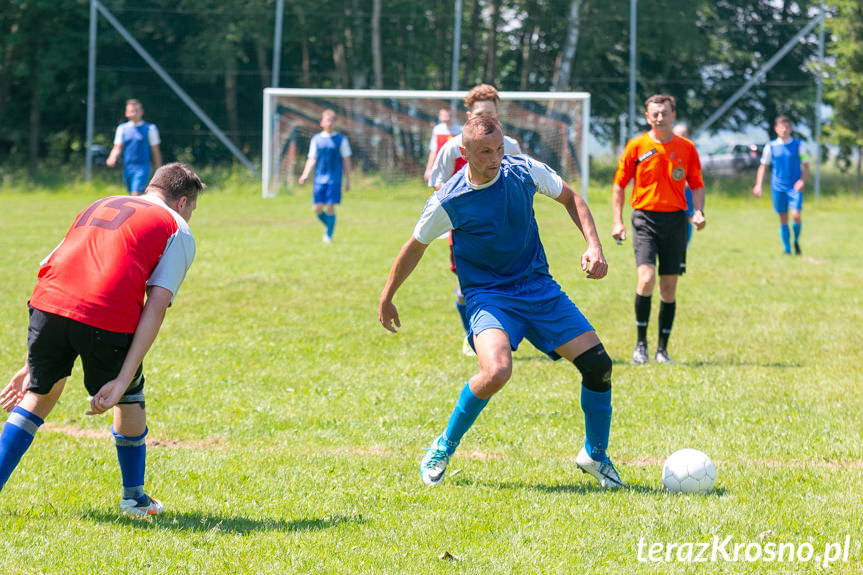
(845, 85)
(219, 51)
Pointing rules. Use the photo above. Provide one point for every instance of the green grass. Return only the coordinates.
(286, 426)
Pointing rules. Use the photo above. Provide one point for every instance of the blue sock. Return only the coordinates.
(796, 226)
(597, 421)
(132, 455)
(462, 313)
(17, 435)
(785, 233)
(323, 218)
(467, 409)
(688, 233)
(331, 224)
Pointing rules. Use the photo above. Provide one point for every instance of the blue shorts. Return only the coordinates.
(690, 209)
(327, 193)
(542, 313)
(787, 200)
(135, 177)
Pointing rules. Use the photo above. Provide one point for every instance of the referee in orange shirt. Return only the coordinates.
(661, 164)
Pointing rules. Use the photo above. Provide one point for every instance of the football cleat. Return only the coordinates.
(639, 356)
(135, 508)
(603, 471)
(327, 239)
(797, 251)
(662, 357)
(433, 464)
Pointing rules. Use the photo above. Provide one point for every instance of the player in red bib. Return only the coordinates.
(443, 131)
(89, 301)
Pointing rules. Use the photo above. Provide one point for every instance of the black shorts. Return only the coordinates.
(660, 234)
(53, 343)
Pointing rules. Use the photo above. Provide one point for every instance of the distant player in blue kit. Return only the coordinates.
(510, 294)
(789, 160)
(138, 141)
(682, 130)
(330, 157)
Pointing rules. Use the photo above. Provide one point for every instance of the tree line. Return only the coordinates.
(220, 52)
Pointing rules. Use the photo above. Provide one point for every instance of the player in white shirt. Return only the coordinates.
(443, 131)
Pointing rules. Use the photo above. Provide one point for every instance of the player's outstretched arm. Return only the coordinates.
(114, 155)
(759, 180)
(592, 260)
(618, 232)
(156, 156)
(698, 206)
(804, 173)
(158, 300)
(346, 172)
(307, 170)
(409, 256)
(15, 390)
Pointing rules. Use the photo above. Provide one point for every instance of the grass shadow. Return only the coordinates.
(714, 363)
(740, 363)
(201, 522)
(583, 488)
(568, 488)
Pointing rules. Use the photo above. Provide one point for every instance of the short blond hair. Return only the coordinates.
(481, 93)
(478, 127)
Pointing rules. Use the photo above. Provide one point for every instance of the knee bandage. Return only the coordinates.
(595, 368)
(137, 386)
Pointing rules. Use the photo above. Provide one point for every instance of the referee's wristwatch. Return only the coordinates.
(702, 213)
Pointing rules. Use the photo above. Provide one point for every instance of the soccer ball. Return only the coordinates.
(688, 471)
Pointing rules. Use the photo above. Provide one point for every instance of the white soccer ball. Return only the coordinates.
(688, 471)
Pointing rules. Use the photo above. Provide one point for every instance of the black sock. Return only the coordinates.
(642, 316)
(666, 319)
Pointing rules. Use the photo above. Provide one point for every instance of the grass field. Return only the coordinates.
(286, 425)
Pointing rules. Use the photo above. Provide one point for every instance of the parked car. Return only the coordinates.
(99, 154)
(732, 158)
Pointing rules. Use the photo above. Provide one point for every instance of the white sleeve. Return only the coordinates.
(766, 155)
(510, 146)
(547, 181)
(345, 147)
(175, 262)
(153, 135)
(48, 257)
(444, 163)
(433, 222)
(313, 149)
(118, 136)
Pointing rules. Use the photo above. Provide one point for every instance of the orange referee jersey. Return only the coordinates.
(661, 172)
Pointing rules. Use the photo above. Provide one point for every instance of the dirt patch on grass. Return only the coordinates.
(103, 434)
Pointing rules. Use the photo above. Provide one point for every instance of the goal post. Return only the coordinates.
(389, 130)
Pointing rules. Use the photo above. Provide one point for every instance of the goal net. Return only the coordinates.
(390, 130)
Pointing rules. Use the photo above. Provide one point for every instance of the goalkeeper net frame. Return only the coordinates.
(389, 130)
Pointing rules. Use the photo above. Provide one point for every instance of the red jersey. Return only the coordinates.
(661, 172)
(99, 273)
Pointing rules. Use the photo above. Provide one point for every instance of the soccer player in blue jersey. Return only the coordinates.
(682, 130)
(481, 100)
(330, 158)
(789, 160)
(510, 294)
(138, 141)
